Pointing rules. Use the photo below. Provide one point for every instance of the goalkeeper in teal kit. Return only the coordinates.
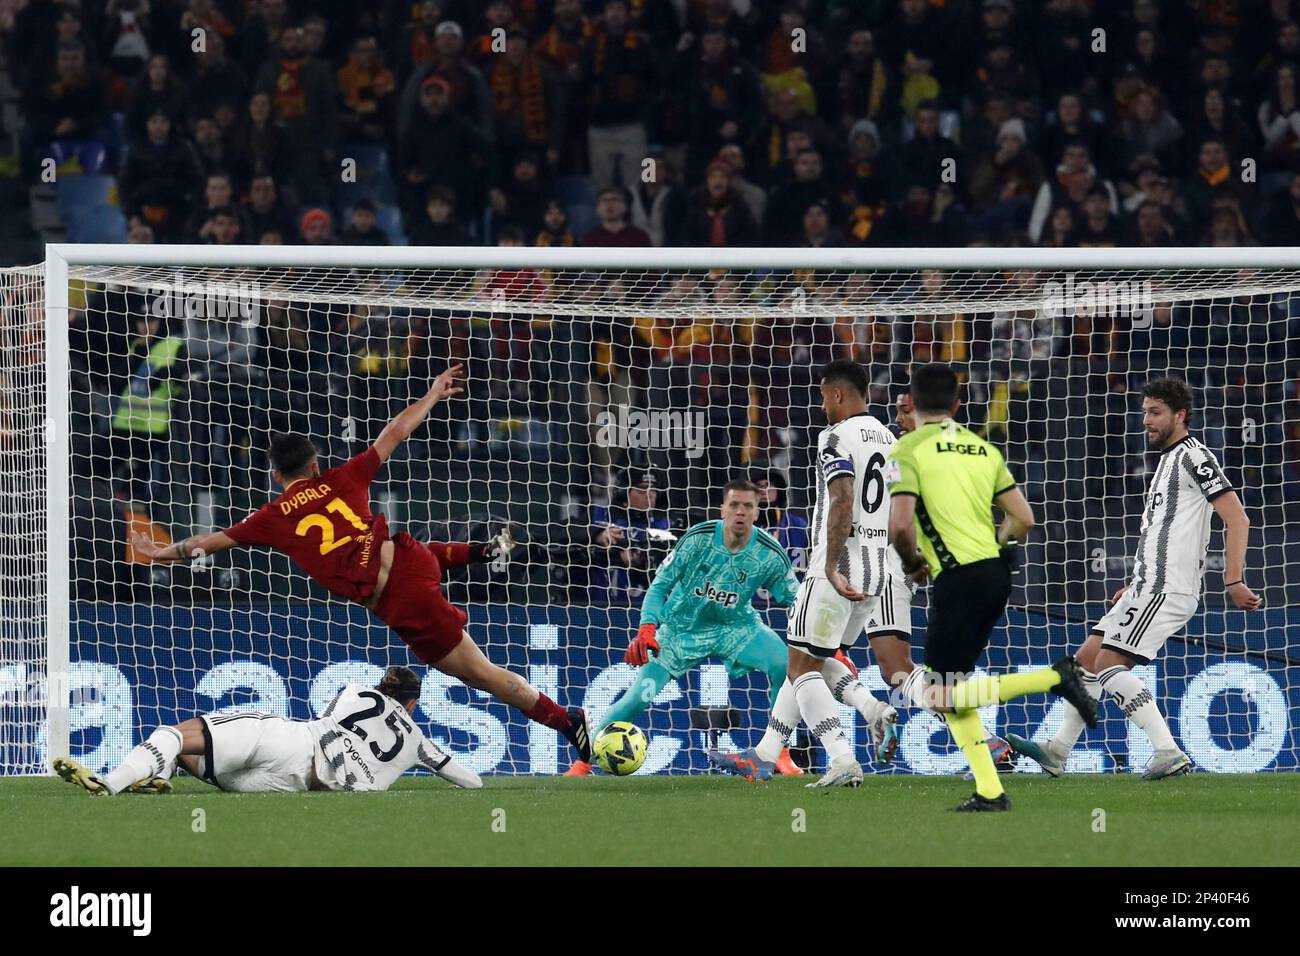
(700, 606)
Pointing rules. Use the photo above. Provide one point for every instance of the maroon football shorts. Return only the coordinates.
(414, 606)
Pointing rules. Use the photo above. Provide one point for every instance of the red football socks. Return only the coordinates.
(548, 713)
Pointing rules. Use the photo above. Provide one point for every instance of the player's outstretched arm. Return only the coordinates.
(198, 546)
(413, 416)
(1017, 518)
(666, 578)
(1236, 533)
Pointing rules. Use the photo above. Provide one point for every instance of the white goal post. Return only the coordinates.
(1053, 345)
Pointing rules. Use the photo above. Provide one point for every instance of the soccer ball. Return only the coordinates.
(620, 748)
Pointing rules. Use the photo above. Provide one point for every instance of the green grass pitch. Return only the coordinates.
(685, 820)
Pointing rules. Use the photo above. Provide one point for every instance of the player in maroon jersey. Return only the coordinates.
(322, 521)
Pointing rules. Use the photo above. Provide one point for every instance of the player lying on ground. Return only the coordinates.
(1164, 591)
(363, 741)
(699, 605)
(323, 522)
(943, 482)
(848, 571)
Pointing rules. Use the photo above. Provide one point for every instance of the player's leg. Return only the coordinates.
(467, 663)
(881, 718)
(820, 712)
(765, 651)
(965, 603)
(1053, 755)
(649, 679)
(1139, 642)
(146, 769)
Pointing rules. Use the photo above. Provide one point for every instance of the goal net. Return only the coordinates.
(610, 395)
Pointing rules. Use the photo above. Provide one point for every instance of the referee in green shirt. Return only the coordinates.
(943, 482)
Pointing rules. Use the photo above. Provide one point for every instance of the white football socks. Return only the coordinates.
(1072, 724)
(847, 689)
(822, 714)
(780, 724)
(156, 757)
(1138, 705)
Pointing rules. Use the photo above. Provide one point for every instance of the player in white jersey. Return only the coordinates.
(364, 741)
(848, 570)
(1166, 584)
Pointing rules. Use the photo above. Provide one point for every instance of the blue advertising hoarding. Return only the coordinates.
(136, 667)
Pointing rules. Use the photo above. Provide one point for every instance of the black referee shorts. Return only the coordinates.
(965, 604)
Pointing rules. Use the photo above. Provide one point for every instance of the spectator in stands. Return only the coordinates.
(442, 148)
(614, 229)
(925, 155)
(1004, 185)
(1279, 120)
(363, 227)
(1060, 230)
(721, 96)
(618, 76)
(1150, 132)
(1228, 225)
(156, 89)
(1075, 176)
(262, 32)
(224, 227)
(317, 228)
(438, 226)
(754, 195)
(1217, 118)
(369, 92)
(468, 93)
(625, 529)
(126, 37)
(1068, 124)
(658, 205)
(522, 200)
(560, 47)
(160, 178)
(142, 415)
(817, 230)
(217, 84)
(1282, 221)
(1150, 228)
(264, 212)
(305, 99)
(210, 145)
(555, 227)
(261, 147)
(1098, 226)
(526, 97)
(418, 44)
(1214, 176)
(69, 105)
(218, 195)
(921, 219)
(860, 87)
(923, 56)
(717, 216)
(788, 203)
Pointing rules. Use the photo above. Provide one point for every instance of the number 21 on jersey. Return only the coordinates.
(328, 541)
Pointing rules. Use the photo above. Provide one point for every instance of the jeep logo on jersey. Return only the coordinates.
(711, 593)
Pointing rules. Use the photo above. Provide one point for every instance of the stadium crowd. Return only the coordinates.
(678, 122)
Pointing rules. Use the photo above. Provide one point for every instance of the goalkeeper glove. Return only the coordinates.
(645, 641)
